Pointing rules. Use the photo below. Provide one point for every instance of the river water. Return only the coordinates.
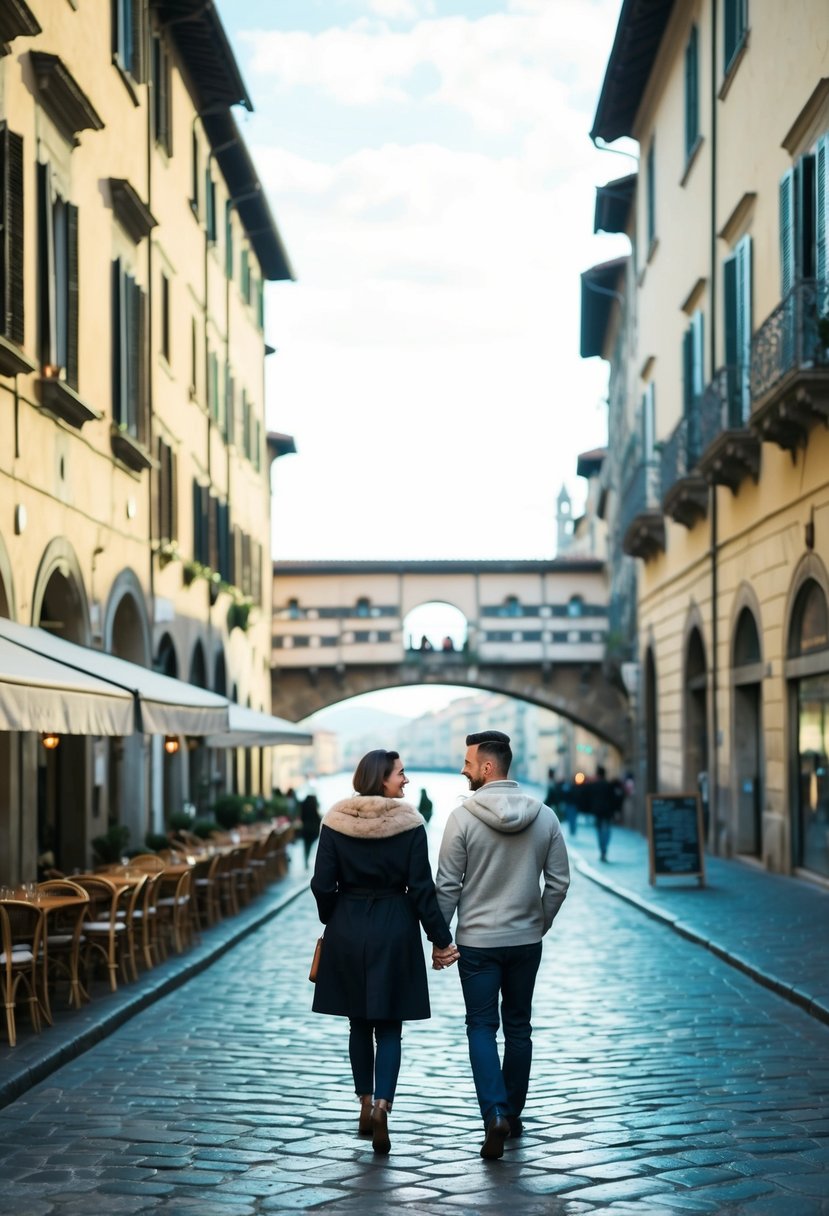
(446, 790)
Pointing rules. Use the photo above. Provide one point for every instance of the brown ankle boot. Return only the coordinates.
(380, 1130)
(364, 1127)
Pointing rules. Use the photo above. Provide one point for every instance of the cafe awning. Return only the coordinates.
(39, 694)
(160, 704)
(250, 728)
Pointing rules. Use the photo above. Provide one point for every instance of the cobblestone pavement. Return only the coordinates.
(664, 1081)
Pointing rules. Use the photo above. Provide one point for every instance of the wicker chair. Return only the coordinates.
(103, 931)
(205, 891)
(151, 863)
(145, 921)
(21, 929)
(173, 912)
(63, 935)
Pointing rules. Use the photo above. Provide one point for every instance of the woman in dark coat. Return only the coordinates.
(374, 888)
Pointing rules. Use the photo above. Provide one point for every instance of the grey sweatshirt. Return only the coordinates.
(496, 846)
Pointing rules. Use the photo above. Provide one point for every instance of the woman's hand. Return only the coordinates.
(445, 957)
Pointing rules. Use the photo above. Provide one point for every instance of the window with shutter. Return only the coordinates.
(737, 282)
(691, 92)
(162, 95)
(57, 280)
(822, 218)
(11, 237)
(128, 37)
(129, 354)
(210, 206)
(735, 27)
(166, 512)
(229, 239)
(651, 196)
(230, 419)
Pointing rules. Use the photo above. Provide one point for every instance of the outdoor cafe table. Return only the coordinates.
(47, 904)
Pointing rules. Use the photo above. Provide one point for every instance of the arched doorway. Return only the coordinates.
(67, 816)
(695, 766)
(127, 635)
(172, 764)
(747, 734)
(197, 752)
(808, 671)
(651, 725)
(12, 819)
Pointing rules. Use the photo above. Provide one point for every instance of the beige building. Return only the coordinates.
(134, 461)
(716, 331)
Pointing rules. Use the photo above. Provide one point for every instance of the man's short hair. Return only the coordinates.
(495, 744)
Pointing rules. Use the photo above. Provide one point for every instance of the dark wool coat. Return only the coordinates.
(372, 963)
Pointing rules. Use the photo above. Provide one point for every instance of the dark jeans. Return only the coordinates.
(486, 974)
(375, 1075)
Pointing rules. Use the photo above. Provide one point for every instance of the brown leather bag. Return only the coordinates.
(315, 962)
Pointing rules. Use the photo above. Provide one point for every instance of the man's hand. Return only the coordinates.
(445, 957)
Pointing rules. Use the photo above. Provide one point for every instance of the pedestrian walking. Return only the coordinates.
(425, 806)
(603, 801)
(309, 813)
(374, 888)
(496, 846)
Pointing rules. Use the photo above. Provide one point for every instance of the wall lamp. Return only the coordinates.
(171, 744)
(50, 740)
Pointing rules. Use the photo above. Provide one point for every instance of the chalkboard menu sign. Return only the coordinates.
(675, 836)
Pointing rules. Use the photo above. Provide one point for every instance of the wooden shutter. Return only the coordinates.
(698, 342)
(787, 237)
(136, 64)
(687, 370)
(822, 216)
(11, 203)
(229, 239)
(72, 304)
(46, 265)
(118, 411)
(743, 252)
(691, 91)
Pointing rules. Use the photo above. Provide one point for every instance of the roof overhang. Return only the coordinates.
(199, 36)
(280, 445)
(613, 203)
(590, 463)
(599, 292)
(638, 35)
(247, 194)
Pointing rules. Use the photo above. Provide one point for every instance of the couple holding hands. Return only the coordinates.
(374, 889)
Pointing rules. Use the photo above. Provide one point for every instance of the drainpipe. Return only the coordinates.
(714, 759)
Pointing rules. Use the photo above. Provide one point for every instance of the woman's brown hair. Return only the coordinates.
(374, 768)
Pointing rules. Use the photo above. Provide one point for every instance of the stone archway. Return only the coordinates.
(747, 733)
(695, 759)
(68, 816)
(127, 635)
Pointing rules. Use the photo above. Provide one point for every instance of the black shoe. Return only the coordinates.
(516, 1127)
(497, 1131)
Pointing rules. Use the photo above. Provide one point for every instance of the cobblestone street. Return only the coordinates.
(664, 1081)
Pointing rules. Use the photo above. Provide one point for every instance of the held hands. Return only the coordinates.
(445, 957)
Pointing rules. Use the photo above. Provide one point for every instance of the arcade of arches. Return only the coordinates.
(54, 802)
(788, 829)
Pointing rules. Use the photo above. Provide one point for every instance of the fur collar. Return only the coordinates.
(372, 817)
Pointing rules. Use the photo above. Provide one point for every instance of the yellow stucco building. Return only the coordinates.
(716, 328)
(134, 459)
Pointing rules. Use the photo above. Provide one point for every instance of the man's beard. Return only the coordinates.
(475, 783)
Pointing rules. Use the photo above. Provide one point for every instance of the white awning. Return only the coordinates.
(249, 728)
(38, 694)
(164, 706)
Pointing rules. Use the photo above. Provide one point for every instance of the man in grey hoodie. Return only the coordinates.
(496, 846)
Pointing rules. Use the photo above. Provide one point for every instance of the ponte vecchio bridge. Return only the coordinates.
(535, 630)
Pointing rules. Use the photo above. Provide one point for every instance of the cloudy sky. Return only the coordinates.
(429, 167)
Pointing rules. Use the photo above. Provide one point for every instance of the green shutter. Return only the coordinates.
(787, 240)
(691, 91)
(72, 305)
(822, 216)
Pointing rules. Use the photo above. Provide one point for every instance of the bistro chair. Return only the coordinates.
(103, 931)
(145, 921)
(226, 879)
(173, 910)
(205, 892)
(126, 912)
(62, 938)
(21, 928)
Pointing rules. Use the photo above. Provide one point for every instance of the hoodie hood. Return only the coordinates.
(503, 806)
(369, 817)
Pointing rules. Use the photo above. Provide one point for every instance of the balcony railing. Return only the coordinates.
(684, 490)
(795, 336)
(642, 525)
(790, 366)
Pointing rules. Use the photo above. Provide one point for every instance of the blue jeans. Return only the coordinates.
(375, 1075)
(603, 832)
(486, 974)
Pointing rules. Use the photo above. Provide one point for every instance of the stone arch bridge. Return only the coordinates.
(535, 630)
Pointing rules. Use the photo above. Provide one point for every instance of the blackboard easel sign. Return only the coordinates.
(675, 837)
